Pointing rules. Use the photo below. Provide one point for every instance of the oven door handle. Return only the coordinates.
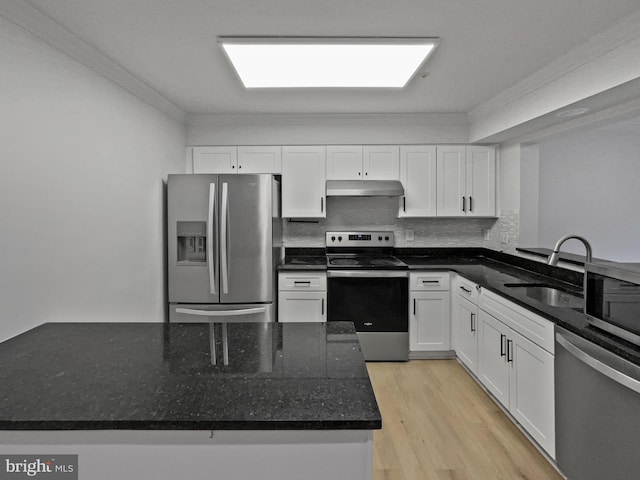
(367, 274)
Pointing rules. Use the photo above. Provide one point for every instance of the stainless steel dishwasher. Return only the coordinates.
(597, 411)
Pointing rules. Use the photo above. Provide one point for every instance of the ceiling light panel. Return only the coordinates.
(326, 62)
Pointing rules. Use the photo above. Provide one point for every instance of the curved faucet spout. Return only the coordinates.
(555, 256)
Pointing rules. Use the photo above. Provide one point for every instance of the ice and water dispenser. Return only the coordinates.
(192, 243)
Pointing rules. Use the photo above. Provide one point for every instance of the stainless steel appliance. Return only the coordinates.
(597, 411)
(366, 285)
(612, 298)
(224, 241)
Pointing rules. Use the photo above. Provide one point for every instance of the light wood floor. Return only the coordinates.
(437, 423)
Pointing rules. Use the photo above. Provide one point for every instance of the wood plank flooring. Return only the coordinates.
(437, 423)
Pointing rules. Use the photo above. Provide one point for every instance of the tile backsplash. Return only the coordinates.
(379, 213)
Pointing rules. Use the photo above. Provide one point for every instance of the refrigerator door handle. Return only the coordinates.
(210, 222)
(221, 313)
(224, 227)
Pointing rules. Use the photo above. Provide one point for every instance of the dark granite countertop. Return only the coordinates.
(304, 259)
(492, 270)
(564, 256)
(158, 376)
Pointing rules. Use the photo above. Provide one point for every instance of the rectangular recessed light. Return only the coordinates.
(314, 62)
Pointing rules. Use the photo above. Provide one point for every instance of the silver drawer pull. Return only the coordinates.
(301, 282)
(465, 289)
(430, 281)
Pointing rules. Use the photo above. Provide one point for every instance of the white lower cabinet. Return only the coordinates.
(302, 297)
(429, 312)
(466, 327)
(519, 374)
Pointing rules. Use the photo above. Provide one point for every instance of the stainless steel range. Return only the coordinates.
(368, 286)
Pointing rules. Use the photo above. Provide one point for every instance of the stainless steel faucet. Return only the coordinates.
(553, 258)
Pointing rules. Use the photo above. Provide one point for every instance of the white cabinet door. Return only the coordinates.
(429, 323)
(531, 399)
(303, 181)
(451, 184)
(467, 330)
(493, 368)
(215, 159)
(381, 162)
(260, 160)
(344, 162)
(418, 177)
(481, 181)
(302, 306)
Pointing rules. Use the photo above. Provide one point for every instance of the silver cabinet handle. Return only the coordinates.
(601, 364)
(473, 323)
(430, 281)
(465, 289)
(224, 227)
(221, 313)
(211, 219)
(471, 204)
(510, 351)
(306, 283)
(464, 204)
(322, 307)
(367, 274)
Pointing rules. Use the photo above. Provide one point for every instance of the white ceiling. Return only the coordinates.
(486, 46)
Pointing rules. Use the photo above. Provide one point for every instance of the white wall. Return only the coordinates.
(82, 164)
(589, 185)
(529, 195)
(290, 129)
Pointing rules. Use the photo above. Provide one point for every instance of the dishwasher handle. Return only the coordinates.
(600, 360)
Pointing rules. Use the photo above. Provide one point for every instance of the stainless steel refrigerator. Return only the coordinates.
(224, 242)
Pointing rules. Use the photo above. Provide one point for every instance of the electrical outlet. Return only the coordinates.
(409, 235)
(504, 237)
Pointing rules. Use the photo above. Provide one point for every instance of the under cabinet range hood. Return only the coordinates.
(364, 188)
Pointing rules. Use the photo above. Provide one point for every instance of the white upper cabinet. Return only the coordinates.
(481, 181)
(355, 162)
(344, 162)
(303, 182)
(256, 159)
(215, 159)
(381, 162)
(451, 191)
(418, 177)
(260, 160)
(466, 181)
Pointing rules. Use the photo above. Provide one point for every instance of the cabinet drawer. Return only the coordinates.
(429, 281)
(531, 326)
(301, 281)
(467, 289)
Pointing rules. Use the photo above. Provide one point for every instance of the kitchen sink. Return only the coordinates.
(548, 294)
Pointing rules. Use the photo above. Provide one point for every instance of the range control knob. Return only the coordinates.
(339, 239)
(380, 238)
(333, 239)
(386, 238)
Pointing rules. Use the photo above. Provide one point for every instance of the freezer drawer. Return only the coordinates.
(202, 313)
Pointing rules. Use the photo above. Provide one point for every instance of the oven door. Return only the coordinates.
(374, 300)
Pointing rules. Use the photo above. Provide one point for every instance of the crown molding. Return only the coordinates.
(34, 21)
(598, 46)
(311, 119)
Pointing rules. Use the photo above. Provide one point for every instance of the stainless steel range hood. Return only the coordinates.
(364, 188)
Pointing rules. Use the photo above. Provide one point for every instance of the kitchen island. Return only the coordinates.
(197, 401)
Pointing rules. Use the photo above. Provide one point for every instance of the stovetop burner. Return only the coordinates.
(364, 261)
(362, 250)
